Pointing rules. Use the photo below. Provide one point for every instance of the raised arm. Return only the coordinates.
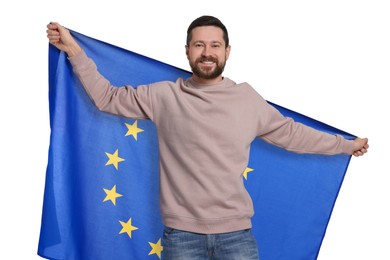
(60, 37)
(123, 101)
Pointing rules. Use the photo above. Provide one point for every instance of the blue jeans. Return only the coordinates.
(182, 245)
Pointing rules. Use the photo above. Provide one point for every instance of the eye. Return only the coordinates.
(198, 45)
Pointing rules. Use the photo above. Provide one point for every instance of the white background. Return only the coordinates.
(329, 60)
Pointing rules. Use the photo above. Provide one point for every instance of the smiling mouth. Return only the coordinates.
(207, 63)
(207, 60)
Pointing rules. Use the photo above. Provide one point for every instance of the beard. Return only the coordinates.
(207, 72)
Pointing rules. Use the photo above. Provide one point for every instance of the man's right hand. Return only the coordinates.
(60, 37)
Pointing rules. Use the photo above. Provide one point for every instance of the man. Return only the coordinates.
(205, 126)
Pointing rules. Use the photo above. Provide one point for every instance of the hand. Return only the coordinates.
(60, 37)
(360, 146)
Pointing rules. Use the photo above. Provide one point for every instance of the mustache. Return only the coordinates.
(206, 59)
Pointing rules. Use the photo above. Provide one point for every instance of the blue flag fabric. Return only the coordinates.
(101, 190)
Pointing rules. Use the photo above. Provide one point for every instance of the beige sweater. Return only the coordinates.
(204, 135)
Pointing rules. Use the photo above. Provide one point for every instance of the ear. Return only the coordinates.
(227, 52)
(187, 51)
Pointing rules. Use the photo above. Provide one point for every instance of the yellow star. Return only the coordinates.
(111, 195)
(156, 248)
(127, 227)
(245, 173)
(133, 129)
(114, 159)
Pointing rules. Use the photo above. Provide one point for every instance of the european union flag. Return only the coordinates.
(101, 191)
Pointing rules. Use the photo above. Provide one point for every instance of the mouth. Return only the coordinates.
(207, 63)
(207, 60)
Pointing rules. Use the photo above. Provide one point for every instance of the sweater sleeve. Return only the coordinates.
(296, 137)
(123, 101)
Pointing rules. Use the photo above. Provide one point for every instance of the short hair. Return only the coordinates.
(207, 20)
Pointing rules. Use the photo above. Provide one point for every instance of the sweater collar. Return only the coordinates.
(191, 83)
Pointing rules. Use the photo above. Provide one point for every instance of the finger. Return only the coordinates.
(53, 37)
(52, 26)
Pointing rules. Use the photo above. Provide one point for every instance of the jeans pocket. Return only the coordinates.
(168, 230)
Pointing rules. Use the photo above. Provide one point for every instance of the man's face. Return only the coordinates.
(207, 54)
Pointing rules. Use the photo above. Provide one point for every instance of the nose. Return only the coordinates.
(206, 50)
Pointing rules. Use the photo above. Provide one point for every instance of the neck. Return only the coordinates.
(207, 81)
